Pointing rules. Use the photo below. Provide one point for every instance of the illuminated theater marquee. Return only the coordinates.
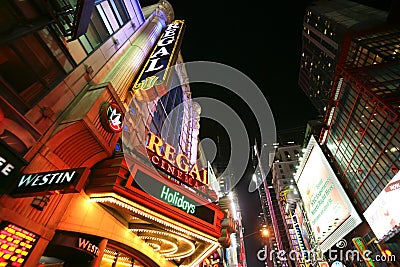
(172, 195)
(164, 157)
(174, 198)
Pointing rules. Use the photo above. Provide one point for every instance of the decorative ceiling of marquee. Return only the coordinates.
(173, 240)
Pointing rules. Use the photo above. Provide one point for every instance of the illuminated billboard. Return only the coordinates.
(327, 206)
(383, 213)
(16, 244)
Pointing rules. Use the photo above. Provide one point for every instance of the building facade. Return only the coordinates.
(362, 134)
(297, 228)
(83, 133)
(361, 107)
(325, 25)
(271, 216)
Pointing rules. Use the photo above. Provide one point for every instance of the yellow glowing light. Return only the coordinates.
(388, 252)
(264, 232)
(149, 214)
(175, 228)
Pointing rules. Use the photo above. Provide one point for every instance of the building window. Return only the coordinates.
(107, 18)
(30, 67)
(167, 118)
(96, 33)
(119, 11)
(292, 168)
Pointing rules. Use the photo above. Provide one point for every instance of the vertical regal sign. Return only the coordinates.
(153, 80)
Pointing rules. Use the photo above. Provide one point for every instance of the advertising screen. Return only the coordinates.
(383, 213)
(16, 244)
(303, 227)
(327, 205)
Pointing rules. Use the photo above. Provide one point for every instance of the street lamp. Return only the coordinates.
(264, 232)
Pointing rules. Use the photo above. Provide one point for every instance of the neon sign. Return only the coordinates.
(52, 182)
(151, 82)
(171, 196)
(15, 244)
(176, 199)
(362, 248)
(111, 117)
(164, 156)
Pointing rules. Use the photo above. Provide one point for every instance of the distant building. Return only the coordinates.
(283, 168)
(313, 128)
(271, 216)
(289, 201)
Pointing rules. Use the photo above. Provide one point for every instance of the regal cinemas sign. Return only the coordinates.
(154, 77)
(165, 157)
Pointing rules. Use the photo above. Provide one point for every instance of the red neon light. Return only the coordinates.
(111, 117)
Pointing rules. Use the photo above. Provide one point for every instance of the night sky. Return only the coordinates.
(264, 43)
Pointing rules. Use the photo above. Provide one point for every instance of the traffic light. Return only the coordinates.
(228, 227)
(228, 224)
(224, 239)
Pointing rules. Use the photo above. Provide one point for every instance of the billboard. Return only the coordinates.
(327, 206)
(16, 244)
(383, 213)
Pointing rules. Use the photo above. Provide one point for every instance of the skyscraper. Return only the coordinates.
(362, 133)
(359, 95)
(326, 23)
